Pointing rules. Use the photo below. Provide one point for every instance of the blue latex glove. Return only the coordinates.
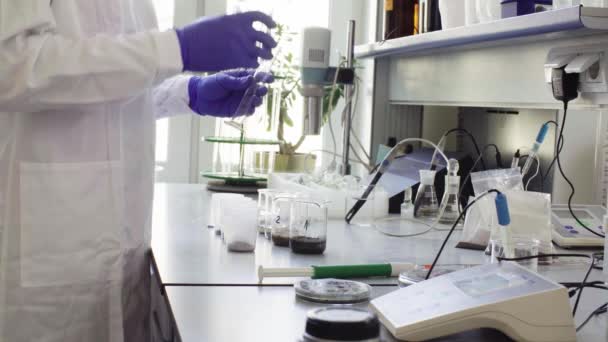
(225, 42)
(219, 95)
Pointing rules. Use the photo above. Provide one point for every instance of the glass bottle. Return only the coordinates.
(425, 204)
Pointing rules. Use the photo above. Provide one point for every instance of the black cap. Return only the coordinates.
(342, 324)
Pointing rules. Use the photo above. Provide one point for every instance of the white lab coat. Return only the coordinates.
(81, 83)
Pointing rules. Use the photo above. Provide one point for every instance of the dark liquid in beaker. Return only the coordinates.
(306, 245)
(280, 240)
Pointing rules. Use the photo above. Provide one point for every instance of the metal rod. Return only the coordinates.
(350, 57)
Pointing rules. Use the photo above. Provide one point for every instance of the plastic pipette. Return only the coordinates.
(392, 269)
(534, 150)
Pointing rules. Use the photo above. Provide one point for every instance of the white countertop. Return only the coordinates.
(205, 282)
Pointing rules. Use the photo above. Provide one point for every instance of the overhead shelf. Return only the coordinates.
(553, 24)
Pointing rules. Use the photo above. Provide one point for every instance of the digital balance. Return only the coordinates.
(505, 296)
(567, 233)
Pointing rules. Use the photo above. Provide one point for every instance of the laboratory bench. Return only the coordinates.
(205, 293)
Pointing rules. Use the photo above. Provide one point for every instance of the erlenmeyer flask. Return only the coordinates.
(425, 204)
(450, 202)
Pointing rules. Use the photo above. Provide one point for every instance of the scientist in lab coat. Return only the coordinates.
(81, 85)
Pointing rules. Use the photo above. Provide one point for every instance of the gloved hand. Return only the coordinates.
(225, 42)
(219, 95)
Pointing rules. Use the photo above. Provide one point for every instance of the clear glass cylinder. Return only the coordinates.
(425, 205)
(308, 227)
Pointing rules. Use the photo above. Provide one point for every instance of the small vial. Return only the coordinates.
(407, 207)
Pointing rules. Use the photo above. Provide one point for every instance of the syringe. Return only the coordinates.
(534, 150)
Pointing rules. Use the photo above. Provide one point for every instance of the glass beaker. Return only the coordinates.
(281, 217)
(264, 202)
(450, 203)
(519, 247)
(366, 215)
(308, 226)
(425, 205)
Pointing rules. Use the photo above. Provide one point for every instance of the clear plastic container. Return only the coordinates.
(308, 227)
(425, 205)
(216, 209)
(240, 229)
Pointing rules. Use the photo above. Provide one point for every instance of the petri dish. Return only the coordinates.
(333, 291)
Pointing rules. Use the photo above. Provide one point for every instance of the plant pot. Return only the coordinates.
(294, 163)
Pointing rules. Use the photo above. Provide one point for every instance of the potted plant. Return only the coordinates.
(280, 101)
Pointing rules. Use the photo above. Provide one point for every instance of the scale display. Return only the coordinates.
(568, 233)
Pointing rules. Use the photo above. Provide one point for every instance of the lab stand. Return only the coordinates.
(246, 174)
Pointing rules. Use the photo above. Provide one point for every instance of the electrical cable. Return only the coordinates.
(445, 241)
(498, 155)
(473, 140)
(479, 158)
(561, 171)
(540, 169)
(600, 310)
(535, 173)
(559, 145)
(570, 255)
